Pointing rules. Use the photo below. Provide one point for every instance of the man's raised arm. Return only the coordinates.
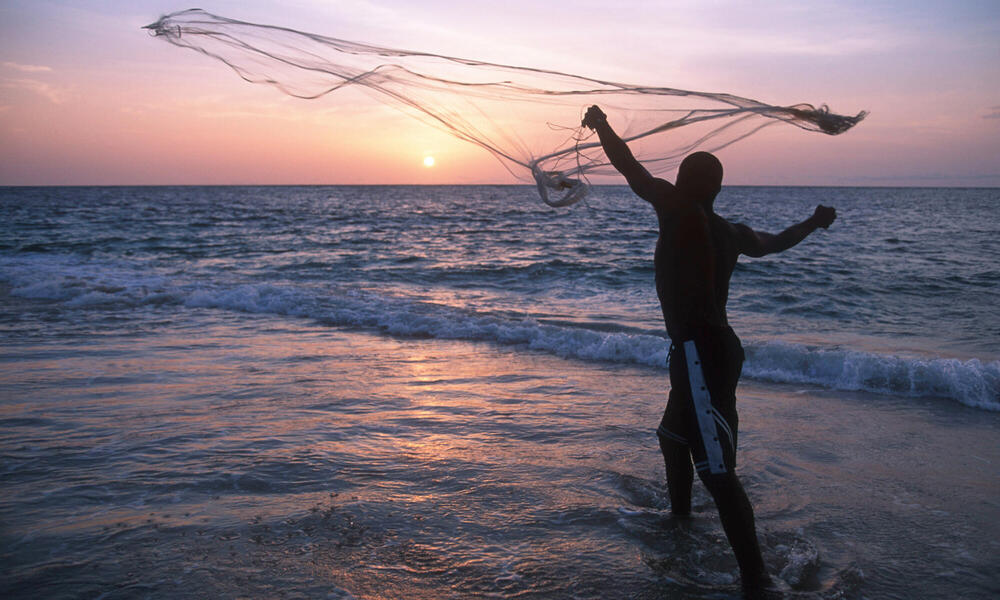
(756, 243)
(639, 179)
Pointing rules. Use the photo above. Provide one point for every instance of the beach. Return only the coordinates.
(217, 402)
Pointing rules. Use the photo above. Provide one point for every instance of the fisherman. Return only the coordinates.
(695, 256)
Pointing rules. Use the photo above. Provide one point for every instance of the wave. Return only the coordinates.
(86, 286)
(971, 382)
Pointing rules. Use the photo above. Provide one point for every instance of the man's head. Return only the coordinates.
(700, 178)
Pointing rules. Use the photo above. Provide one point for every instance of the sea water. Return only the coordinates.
(387, 392)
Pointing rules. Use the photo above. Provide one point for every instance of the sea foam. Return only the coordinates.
(974, 383)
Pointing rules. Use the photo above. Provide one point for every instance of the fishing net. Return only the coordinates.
(528, 118)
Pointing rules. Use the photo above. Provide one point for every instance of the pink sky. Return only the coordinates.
(87, 97)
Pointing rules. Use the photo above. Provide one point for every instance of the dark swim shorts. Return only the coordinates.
(701, 409)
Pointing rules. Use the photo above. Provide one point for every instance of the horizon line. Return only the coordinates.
(527, 185)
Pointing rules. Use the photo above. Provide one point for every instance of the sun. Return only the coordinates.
(429, 161)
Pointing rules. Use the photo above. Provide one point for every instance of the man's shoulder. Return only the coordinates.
(660, 193)
(724, 225)
(736, 235)
(671, 201)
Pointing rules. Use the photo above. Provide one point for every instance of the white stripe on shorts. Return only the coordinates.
(704, 410)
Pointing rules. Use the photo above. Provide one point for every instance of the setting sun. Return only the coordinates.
(428, 161)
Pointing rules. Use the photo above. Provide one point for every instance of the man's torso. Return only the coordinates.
(693, 270)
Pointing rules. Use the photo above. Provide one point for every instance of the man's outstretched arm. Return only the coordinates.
(639, 179)
(756, 243)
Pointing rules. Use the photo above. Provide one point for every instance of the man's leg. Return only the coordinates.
(715, 452)
(737, 518)
(672, 433)
(680, 473)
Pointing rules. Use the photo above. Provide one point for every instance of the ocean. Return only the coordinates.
(452, 392)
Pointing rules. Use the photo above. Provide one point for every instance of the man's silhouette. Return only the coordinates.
(695, 256)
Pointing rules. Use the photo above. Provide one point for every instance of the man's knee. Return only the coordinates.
(671, 442)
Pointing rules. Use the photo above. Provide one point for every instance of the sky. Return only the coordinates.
(89, 98)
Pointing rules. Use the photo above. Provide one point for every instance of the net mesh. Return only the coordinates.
(528, 118)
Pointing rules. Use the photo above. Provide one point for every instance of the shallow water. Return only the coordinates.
(277, 459)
